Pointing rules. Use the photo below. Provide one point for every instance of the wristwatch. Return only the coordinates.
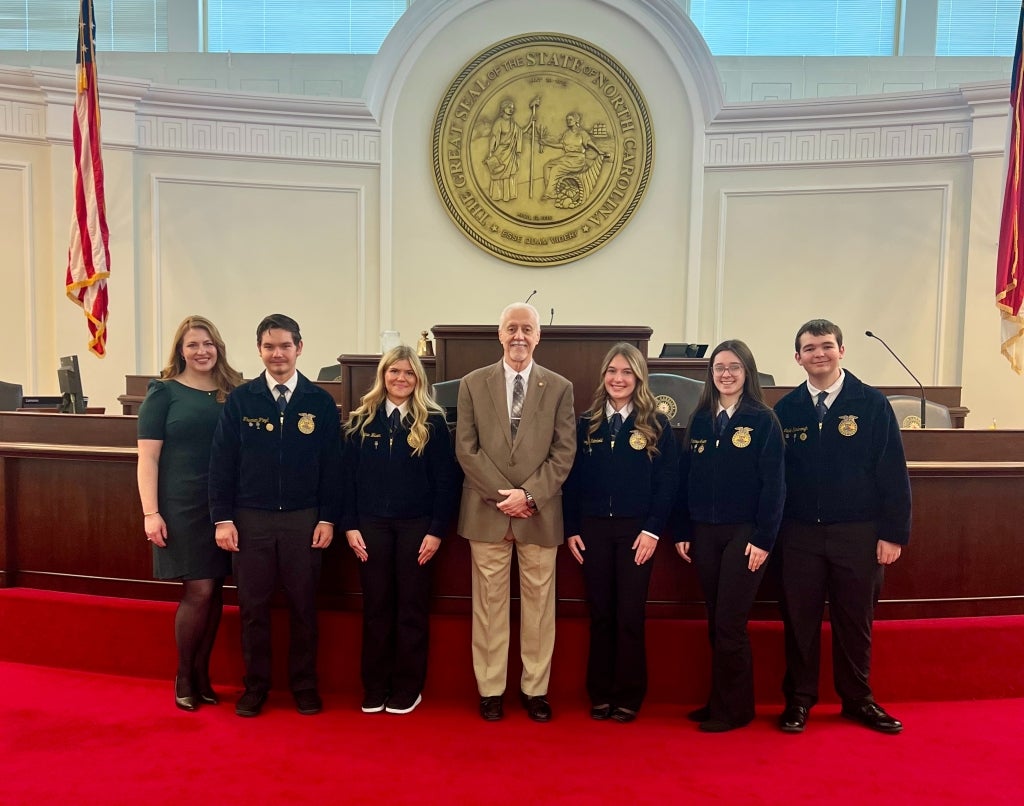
(529, 499)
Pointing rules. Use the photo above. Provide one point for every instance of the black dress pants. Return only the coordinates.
(617, 596)
(729, 592)
(276, 547)
(836, 561)
(396, 608)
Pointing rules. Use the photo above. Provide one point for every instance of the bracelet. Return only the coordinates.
(147, 514)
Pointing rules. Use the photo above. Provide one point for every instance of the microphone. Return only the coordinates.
(871, 335)
(552, 317)
(531, 295)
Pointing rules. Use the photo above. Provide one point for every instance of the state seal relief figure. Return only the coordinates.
(568, 180)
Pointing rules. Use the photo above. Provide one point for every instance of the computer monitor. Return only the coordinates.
(70, 380)
(674, 350)
(696, 350)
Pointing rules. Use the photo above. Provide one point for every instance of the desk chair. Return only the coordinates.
(908, 412)
(10, 396)
(677, 396)
(446, 394)
(332, 372)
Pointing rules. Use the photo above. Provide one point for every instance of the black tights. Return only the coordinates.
(195, 628)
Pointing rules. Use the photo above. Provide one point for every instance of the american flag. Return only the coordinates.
(89, 254)
(1009, 283)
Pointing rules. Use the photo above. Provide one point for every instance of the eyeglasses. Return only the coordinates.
(732, 369)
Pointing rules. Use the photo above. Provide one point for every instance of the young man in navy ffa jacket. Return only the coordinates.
(275, 487)
(847, 516)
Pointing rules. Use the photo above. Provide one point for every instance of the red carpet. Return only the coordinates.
(82, 738)
(72, 735)
(939, 659)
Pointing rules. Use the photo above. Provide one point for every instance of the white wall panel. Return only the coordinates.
(236, 251)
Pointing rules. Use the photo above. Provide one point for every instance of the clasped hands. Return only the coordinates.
(515, 504)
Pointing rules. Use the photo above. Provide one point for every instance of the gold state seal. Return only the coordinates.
(542, 149)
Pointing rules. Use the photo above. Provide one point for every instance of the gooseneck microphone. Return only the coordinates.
(552, 317)
(531, 295)
(871, 335)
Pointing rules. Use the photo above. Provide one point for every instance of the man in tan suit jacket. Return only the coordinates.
(516, 448)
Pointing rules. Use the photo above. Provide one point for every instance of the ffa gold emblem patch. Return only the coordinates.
(269, 426)
(637, 441)
(667, 406)
(847, 424)
(741, 437)
(306, 425)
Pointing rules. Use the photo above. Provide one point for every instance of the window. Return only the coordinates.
(797, 27)
(977, 27)
(125, 25)
(300, 26)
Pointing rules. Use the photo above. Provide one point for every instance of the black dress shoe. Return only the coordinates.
(872, 715)
(538, 708)
(600, 712)
(250, 703)
(702, 714)
(490, 709)
(623, 715)
(208, 696)
(793, 719)
(183, 696)
(308, 702)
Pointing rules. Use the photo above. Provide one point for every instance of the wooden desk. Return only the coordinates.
(71, 521)
(135, 392)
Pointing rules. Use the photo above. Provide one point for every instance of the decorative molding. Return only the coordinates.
(901, 127)
(861, 144)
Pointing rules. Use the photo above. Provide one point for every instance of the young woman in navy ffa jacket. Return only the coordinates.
(618, 499)
(732, 494)
(400, 494)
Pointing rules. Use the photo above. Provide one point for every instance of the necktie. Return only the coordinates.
(820, 407)
(517, 404)
(722, 422)
(615, 424)
(395, 420)
(282, 398)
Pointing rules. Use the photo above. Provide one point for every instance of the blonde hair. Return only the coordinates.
(644, 406)
(421, 404)
(224, 375)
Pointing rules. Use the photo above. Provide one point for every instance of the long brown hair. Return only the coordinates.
(224, 375)
(421, 404)
(644, 405)
(751, 383)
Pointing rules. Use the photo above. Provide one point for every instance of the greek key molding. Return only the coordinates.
(831, 145)
(249, 139)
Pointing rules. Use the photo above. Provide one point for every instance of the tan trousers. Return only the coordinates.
(492, 564)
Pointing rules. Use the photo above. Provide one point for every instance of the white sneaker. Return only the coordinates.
(394, 709)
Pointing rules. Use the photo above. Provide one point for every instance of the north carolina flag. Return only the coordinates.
(89, 254)
(1009, 288)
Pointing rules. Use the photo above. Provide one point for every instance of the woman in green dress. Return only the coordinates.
(176, 424)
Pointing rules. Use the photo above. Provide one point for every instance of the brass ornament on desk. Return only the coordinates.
(424, 347)
(542, 149)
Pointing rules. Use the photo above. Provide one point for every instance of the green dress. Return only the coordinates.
(185, 419)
